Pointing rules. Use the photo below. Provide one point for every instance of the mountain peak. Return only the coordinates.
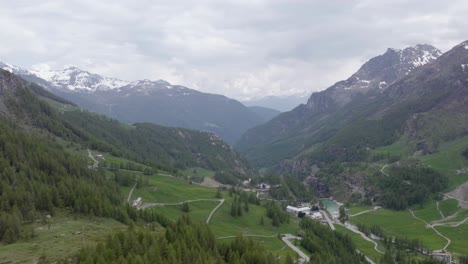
(74, 79)
(377, 73)
(394, 64)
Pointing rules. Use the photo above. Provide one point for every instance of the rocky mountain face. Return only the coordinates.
(157, 102)
(298, 130)
(377, 73)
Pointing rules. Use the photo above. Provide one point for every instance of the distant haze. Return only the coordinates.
(282, 104)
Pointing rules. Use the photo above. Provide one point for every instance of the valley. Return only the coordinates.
(372, 169)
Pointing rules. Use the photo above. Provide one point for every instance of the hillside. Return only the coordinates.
(333, 143)
(327, 112)
(145, 143)
(264, 112)
(280, 103)
(140, 101)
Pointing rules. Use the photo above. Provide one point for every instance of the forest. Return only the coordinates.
(408, 186)
(182, 242)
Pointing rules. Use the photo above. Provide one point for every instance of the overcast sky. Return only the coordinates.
(239, 48)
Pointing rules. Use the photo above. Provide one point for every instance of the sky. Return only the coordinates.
(243, 49)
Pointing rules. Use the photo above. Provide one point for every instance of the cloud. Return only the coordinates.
(243, 49)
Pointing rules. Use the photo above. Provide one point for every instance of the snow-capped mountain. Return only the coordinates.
(14, 69)
(378, 73)
(74, 79)
(157, 101)
(300, 125)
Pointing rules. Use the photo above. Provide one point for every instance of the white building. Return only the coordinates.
(316, 215)
(136, 202)
(295, 211)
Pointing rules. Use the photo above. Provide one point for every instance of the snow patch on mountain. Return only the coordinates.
(12, 68)
(425, 58)
(74, 79)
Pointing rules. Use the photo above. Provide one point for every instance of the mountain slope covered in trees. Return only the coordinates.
(143, 101)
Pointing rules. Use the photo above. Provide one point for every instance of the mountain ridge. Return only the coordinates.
(139, 101)
(305, 126)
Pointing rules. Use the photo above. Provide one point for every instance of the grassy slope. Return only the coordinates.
(458, 236)
(401, 223)
(428, 212)
(448, 159)
(61, 240)
(449, 207)
(172, 190)
(197, 171)
(366, 247)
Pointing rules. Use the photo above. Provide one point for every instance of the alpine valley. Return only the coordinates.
(373, 169)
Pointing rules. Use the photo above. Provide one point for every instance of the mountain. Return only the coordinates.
(264, 112)
(280, 103)
(27, 104)
(326, 112)
(156, 102)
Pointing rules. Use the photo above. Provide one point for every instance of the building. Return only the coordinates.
(295, 211)
(136, 202)
(316, 215)
(263, 186)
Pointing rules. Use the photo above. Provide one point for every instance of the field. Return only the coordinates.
(64, 238)
(176, 190)
(165, 189)
(448, 159)
(401, 223)
(449, 207)
(459, 237)
(358, 209)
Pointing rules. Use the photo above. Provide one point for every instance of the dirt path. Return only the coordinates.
(96, 163)
(286, 238)
(382, 170)
(248, 235)
(452, 224)
(354, 230)
(214, 210)
(149, 205)
(440, 212)
(130, 193)
(330, 223)
(462, 203)
(360, 213)
(460, 194)
(435, 230)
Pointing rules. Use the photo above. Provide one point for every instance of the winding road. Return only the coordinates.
(286, 238)
(381, 170)
(363, 212)
(214, 210)
(352, 229)
(221, 202)
(248, 235)
(330, 223)
(130, 193)
(435, 230)
(96, 163)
